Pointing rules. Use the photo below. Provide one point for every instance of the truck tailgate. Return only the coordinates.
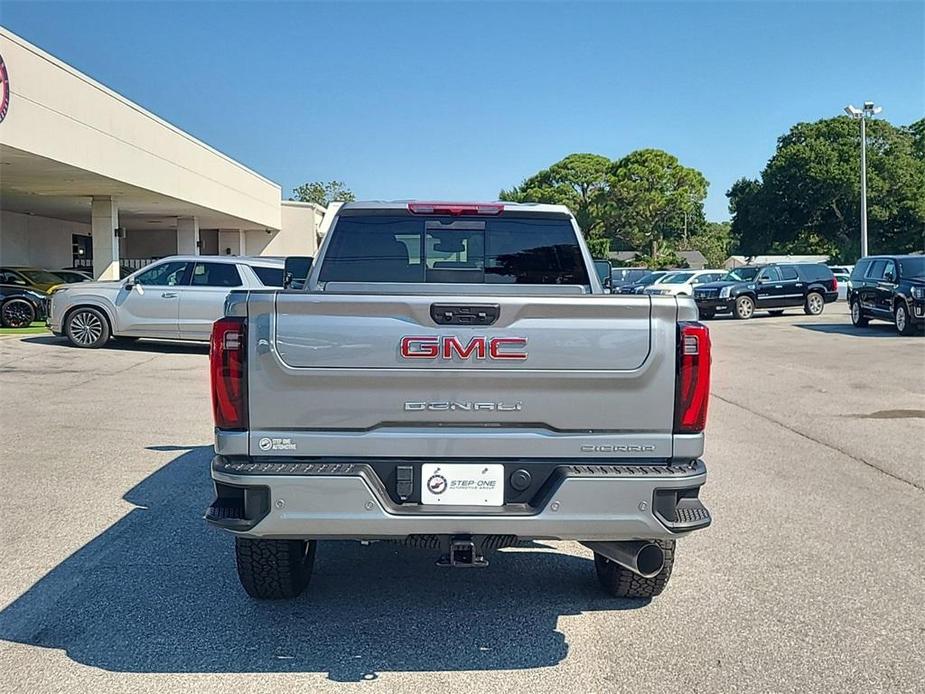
(328, 373)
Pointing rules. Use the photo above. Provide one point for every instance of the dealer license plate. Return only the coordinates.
(462, 485)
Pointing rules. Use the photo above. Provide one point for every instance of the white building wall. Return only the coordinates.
(39, 241)
(149, 243)
(298, 234)
(61, 114)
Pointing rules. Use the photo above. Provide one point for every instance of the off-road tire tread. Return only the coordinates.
(623, 583)
(274, 569)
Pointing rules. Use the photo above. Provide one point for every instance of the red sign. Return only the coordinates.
(4, 89)
(452, 347)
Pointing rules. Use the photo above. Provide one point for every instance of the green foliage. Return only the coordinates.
(713, 239)
(640, 201)
(599, 247)
(667, 258)
(580, 181)
(808, 197)
(650, 193)
(323, 193)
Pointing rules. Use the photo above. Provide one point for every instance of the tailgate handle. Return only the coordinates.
(465, 314)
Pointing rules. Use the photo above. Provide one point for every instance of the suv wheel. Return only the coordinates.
(87, 327)
(814, 304)
(274, 569)
(623, 583)
(858, 319)
(902, 320)
(745, 308)
(17, 313)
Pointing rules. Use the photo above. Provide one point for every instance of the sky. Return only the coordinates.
(457, 100)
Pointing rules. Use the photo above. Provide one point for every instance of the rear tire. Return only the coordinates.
(776, 313)
(744, 308)
(623, 583)
(87, 328)
(274, 569)
(814, 304)
(858, 319)
(17, 313)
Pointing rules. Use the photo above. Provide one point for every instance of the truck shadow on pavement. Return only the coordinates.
(157, 592)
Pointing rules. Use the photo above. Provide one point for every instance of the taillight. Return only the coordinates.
(834, 284)
(456, 208)
(228, 368)
(693, 387)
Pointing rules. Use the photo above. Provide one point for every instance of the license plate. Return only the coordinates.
(462, 485)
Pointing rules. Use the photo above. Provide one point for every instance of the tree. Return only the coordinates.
(323, 193)
(808, 198)
(650, 194)
(580, 181)
(714, 240)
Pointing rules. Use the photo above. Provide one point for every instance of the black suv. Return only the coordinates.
(772, 287)
(889, 287)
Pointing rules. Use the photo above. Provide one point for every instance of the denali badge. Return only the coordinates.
(617, 448)
(452, 347)
(465, 405)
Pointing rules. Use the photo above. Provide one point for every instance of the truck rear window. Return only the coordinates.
(404, 248)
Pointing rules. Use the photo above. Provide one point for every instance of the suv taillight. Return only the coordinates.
(693, 385)
(228, 368)
(834, 284)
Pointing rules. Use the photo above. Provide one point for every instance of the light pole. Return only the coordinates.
(862, 114)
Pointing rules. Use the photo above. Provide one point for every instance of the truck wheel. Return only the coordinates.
(745, 308)
(86, 327)
(274, 569)
(707, 314)
(814, 304)
(623, 583)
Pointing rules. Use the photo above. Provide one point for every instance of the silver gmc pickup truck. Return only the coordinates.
(452, 376)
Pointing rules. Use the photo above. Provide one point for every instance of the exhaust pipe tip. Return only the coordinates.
(644, 558)
(650, 560)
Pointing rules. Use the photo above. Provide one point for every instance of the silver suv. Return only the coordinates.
(174, 298)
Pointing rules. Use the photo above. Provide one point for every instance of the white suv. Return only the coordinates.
(682, 282)
(174, 298)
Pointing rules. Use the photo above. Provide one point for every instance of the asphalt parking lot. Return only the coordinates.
(811, 578)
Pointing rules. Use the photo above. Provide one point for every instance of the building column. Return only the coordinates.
(230, 242)
(187, 235)
(104, 220)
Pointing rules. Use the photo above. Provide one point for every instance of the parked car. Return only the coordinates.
(460, 400)
(842, 279)
(177, 298)
(773, 287)
(683, 283)
(621, 276)
(638, 285)
(20, 306)
(889, 288)
(74, 276)
(31, 277)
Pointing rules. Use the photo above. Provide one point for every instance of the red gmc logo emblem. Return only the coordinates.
(451, 347)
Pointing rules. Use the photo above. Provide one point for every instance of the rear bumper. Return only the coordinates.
(309, 500)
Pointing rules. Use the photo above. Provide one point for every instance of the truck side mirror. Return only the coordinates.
(295, 271)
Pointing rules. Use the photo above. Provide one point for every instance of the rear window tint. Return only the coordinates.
(405, 248)
(814, 272)
(860, 269)
(269, 276)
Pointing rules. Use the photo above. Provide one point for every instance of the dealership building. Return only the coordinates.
(90, 179)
